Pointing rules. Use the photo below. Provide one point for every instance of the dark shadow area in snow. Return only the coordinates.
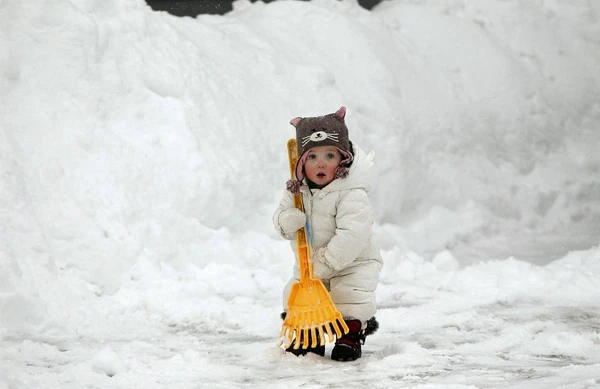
(194, 8)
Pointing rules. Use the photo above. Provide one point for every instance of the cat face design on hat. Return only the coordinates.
(319, 136)
(327, 130)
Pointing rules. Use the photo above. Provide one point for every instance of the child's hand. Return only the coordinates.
(291, 220)
(321, 268)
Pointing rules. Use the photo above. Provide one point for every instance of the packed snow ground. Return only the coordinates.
(142, 155)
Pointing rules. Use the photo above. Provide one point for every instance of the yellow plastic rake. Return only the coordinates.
(311, 312)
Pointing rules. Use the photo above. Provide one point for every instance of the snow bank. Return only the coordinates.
(134, 140)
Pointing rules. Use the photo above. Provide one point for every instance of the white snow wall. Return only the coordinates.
(129, 134)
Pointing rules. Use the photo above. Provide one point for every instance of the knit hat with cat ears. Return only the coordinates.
(328, 130)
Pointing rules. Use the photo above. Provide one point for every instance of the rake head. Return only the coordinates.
(311, 314)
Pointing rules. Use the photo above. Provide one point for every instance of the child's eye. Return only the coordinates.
(331, 155)
(311, 156)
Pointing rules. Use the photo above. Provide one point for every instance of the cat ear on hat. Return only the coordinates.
(341, 113)
(294, 122)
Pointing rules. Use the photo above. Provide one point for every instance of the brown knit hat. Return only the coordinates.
(328, 130)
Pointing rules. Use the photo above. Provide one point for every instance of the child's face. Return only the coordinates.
(321, 162)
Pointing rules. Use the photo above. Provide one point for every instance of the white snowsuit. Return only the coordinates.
(340, 219)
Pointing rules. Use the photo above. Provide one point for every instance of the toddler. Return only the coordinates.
(334, 176)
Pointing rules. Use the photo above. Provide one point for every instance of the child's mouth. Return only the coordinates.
(321, 175)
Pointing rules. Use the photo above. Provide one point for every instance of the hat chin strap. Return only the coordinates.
(300, 166)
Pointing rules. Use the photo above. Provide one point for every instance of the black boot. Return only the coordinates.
(319, 349)
(348, 347)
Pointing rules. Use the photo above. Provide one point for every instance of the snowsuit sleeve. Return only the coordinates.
(286, 202)
(354, 221)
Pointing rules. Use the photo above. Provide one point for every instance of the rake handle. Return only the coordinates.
(301, 241)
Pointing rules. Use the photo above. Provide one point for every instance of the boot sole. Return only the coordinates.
(302, 352)
(345, 353)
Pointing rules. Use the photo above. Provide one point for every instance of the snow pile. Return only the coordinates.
(141, 157)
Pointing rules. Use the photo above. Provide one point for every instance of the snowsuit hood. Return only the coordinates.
(361, 174)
